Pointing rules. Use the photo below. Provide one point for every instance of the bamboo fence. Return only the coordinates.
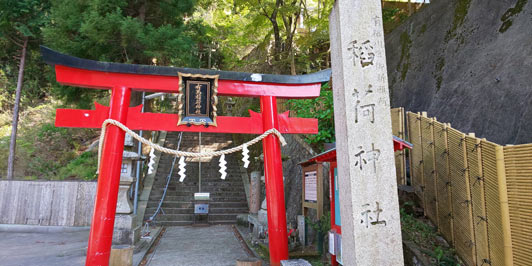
(477, 193)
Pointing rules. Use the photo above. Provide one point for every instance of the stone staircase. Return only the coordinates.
(228, 197)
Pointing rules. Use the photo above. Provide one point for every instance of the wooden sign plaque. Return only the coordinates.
(197, 99)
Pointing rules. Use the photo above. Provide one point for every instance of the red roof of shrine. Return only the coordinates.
(330, 155)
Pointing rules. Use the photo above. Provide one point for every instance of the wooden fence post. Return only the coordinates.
(505, 210)
(410, 157)
(402, 135)
(483, 201)
(434, 171)
(422, 165)
(469, 200)
(450, 184)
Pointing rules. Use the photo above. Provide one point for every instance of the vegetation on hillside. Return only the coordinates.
(420, 235)
(48, 152)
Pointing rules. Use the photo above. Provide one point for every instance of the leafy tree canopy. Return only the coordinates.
(128, 31)
(275, 36)
(20, 20)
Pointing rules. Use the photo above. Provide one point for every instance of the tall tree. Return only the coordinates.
(278, 36)
(128, 31)
(20, 22)
(283, 16)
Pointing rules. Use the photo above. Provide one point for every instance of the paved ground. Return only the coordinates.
(185, 245)
(49, 245)
(197, 246)
(35, 249)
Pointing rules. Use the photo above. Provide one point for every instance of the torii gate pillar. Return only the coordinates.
(101, 234)
(273, 175)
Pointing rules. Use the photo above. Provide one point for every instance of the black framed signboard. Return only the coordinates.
(197, 99)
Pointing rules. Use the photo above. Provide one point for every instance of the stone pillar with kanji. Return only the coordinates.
(371, 230)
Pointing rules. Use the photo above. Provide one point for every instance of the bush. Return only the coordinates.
(84, 167)
(43, 149)
(321, 108)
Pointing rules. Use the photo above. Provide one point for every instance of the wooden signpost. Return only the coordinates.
(313, 189)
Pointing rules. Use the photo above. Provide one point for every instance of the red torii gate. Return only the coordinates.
(122, 78)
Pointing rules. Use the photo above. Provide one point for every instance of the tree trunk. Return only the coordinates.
(276, 31)
(292, 63)
(14, 125)
(277, 40)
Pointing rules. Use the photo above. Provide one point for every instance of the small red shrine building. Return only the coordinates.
(329, 156)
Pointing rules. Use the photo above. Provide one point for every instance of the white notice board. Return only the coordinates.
(311, 186)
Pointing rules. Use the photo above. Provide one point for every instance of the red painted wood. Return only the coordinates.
(82, 118)
(168, 122)
(154, 83)
(273, 173)
(103, 219)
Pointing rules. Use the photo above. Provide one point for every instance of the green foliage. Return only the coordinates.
(425, 237)
(511, 12)
(321, 108)
(323, 224)
(42, 148)
(416, 231)
(438, 74)
(20, 20)
(83, 167)
(388, 14)
(128, 31)
(404, 62)
(313, 43)
(460, 13)
(262, 35)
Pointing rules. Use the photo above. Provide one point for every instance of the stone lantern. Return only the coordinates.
(229, 104)
(126, 230)
(123, 204)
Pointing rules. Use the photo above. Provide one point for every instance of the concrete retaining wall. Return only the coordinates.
(58, 203)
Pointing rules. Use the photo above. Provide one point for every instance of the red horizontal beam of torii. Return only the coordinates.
(121, 79)
(156, 83)
(136, 120)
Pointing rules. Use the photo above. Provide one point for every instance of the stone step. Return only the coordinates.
(190, 217)
(218, 182)
(190, 177)
(204, 187)
(190, 204)
(236, 194)
(170, 223)
(228, 196)
(191, 198)
(151, 210)
(157, 193)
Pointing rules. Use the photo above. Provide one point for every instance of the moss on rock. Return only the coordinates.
(506, 18)
(404, 62)
(460, 13)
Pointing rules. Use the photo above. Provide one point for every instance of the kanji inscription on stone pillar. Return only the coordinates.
(371, 230)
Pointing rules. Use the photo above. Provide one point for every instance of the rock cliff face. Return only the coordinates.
(469, 63)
